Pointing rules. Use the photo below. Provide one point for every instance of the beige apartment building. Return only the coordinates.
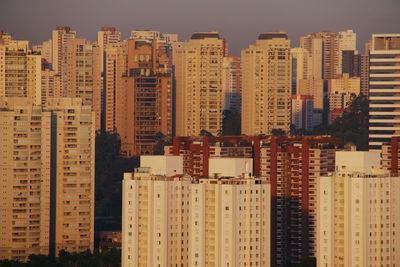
(20, 71)
(58, 39)
(266, 85)
(179, 220)
(107, 35)
(47, 177)
(51, 85)
(45, 49)
(231, 84)
(80, 75)
(358, 213)
(116, 67)
(198, 72)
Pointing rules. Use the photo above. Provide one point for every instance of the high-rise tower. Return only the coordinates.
(266, 85)
(198, 72)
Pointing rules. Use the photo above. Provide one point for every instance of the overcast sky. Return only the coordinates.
(239, 21)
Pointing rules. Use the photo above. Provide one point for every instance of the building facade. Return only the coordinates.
(20, 71)
(58, 38)
(179, 220)
(80, 75)
(384, 84)
(266, 85)
(358, 209)
(47, 177)
(198, 73)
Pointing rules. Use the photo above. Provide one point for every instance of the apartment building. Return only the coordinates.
(266, 85)
(358, 209)
(303, 112)
(47, 177)
(107, 35)
(177, 219)
(148, 95)
(58, 39)
(198, 72)
(20, 71)
(231, 84)
(80, 74)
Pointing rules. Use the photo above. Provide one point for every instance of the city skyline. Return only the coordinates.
(297, 19)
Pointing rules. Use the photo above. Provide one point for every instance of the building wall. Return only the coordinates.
(210, 222)
(80, 75)
(231, 83)
(198, 73)
(73, 151)
(148, 98)
(24, 179)
(266, 85)
(366, 222)
(21, 71)
(47, 177)
(384, 84)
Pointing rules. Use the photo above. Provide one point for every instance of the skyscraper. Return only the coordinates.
(47, 177)
(80, 75)
(107, 35)
(20, 71)
(384, 89)
(266, 85)
(148, 96)
(198, 72)
(59, 36)
(231, 83)
(171, 219)
(115, 71)
(358, 207)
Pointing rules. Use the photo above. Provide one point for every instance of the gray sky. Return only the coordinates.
(239, 21)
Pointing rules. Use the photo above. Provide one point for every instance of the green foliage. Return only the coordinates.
(308, 262)
(110, 167)
(161, 141)
(231, 123)
(352, 127)
(107, 258)
(205, 133)
(277, 132)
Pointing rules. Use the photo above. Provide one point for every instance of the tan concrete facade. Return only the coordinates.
(20, 71)
(46, 177)
(80, 75)
(114, 87)
(24, 179)
(182, 221)
(198, 72)
(148, 95)
(58, 38)
(51, 85)
(358, 220)
(266, 85)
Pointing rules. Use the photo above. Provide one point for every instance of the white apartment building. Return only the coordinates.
(358, 219)
(170, 221)
(384, 89)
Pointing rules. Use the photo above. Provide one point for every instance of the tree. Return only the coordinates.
(231, 124)
(161, 141)
(277, 132)
(206, 133)
(110, 167)
(308, 262)
(352, 127)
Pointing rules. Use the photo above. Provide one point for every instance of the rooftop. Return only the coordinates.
(272, 35)
(203, 35)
